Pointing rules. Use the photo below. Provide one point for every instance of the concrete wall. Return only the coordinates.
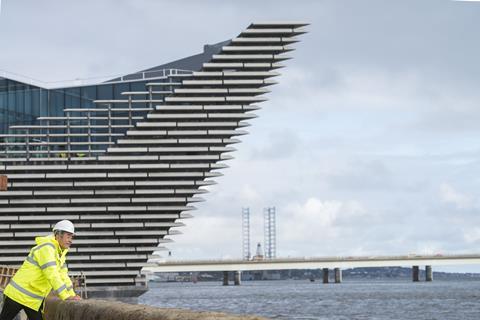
(106, 310)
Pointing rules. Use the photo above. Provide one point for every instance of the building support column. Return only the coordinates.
(325, 275)
(338, 275)
(237, 278)
(415, 273)
(225, 278)
(428, 273)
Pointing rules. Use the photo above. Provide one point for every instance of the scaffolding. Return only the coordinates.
(246, 233)
(6, 273)
(270, 239)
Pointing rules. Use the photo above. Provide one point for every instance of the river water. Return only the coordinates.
(301, 299)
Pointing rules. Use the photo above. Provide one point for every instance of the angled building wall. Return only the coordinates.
(127, 169)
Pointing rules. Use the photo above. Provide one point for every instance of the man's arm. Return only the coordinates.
(66, 278)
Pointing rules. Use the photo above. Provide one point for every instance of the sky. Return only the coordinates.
(369, 144)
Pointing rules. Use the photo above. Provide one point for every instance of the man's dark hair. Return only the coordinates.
(58, 232)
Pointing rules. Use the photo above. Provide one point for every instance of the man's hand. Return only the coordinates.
(75, 298)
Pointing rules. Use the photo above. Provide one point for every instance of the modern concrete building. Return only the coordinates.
(126, 158)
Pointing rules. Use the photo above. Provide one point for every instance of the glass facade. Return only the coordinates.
(95, 114)
(21, 104)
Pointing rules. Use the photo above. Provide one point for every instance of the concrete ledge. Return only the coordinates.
(106, 310)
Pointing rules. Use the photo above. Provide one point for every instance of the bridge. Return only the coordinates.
(324, 263)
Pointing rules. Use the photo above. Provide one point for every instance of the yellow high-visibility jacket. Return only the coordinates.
(42, 271)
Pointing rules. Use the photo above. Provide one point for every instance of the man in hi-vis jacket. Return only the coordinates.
(43, 270)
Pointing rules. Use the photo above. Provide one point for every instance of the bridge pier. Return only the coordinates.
(225, 278)
(237, 278)
(428, 273)
(325, 275)
(338, 275)
(415, 273)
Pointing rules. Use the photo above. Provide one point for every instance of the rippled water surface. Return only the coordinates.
(314, 300)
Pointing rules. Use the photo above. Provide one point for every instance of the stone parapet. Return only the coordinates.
(106, 310)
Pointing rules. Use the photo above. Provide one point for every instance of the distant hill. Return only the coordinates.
(384, 273)
(402, 273)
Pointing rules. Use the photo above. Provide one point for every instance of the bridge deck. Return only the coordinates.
(313, 263)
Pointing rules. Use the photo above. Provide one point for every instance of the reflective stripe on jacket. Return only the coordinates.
(43, 270)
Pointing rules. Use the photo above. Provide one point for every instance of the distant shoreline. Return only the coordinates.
(377, 273)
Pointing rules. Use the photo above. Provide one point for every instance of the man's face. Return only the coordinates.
(65, 239)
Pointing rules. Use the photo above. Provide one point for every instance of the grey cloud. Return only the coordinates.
(280, 145)
(362, 176)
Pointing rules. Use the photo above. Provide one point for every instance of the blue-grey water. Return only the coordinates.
(297, 299)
